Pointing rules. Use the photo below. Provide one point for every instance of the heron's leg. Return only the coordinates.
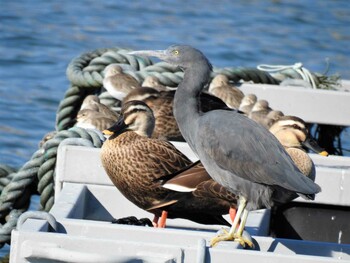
(231, 234)
(243, 240)
(243, 222)
(241, 208)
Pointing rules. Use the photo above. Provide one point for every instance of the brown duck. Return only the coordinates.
(293, 134)
(139, 165)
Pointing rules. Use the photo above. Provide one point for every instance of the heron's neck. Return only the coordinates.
(186, 101)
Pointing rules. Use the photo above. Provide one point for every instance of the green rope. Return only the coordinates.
(6, 229)
(69, 107)
(46, 170)
(171, 76)
(81, 78)
(41, 167)
(247, 74)
(20, 181)
(297, 71)
(85, 71)
(171, 79)
(108, 100)
(6, 173)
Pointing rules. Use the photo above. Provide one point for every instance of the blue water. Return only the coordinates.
(39, 38)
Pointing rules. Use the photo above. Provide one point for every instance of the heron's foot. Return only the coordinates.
(221, 237)
(244, 240)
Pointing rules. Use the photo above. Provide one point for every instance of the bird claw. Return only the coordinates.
(245, 240)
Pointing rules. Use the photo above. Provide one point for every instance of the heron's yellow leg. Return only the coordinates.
(244, 241)
(231, 234)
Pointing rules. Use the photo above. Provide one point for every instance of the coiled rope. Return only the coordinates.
(85, 74)
(297, 67)
(298, 71)
(6, 173)
(40, 169)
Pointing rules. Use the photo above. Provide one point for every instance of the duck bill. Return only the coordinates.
(311, 144)
(116, 129)
(161, 54)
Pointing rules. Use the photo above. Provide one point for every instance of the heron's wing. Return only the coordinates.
(250, 151)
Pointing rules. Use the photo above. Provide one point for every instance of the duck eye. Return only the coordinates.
(176, 52)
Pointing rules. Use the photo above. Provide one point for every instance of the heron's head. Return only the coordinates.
(183, 56)
(292, 131)
(135, 116)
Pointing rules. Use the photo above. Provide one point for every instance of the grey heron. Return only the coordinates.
(237, 152)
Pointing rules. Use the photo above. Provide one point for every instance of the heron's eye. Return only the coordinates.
(176, 52)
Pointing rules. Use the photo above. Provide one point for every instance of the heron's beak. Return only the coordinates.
(311, 144)
(161, 54)
(116, 129)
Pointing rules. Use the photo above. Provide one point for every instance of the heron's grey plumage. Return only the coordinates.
(238, 153)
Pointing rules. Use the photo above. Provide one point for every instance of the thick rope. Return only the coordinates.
(46, 171)
(85, 71)
(21, 180)
(247, 74)
(69, 107)
(109, 101)
(171, 76)
(5, 229)
(6, 173)
(297, 67)
(298, 71)
(41, 167)
(76, 74)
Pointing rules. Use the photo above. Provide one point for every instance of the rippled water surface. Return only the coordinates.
(39, 38)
